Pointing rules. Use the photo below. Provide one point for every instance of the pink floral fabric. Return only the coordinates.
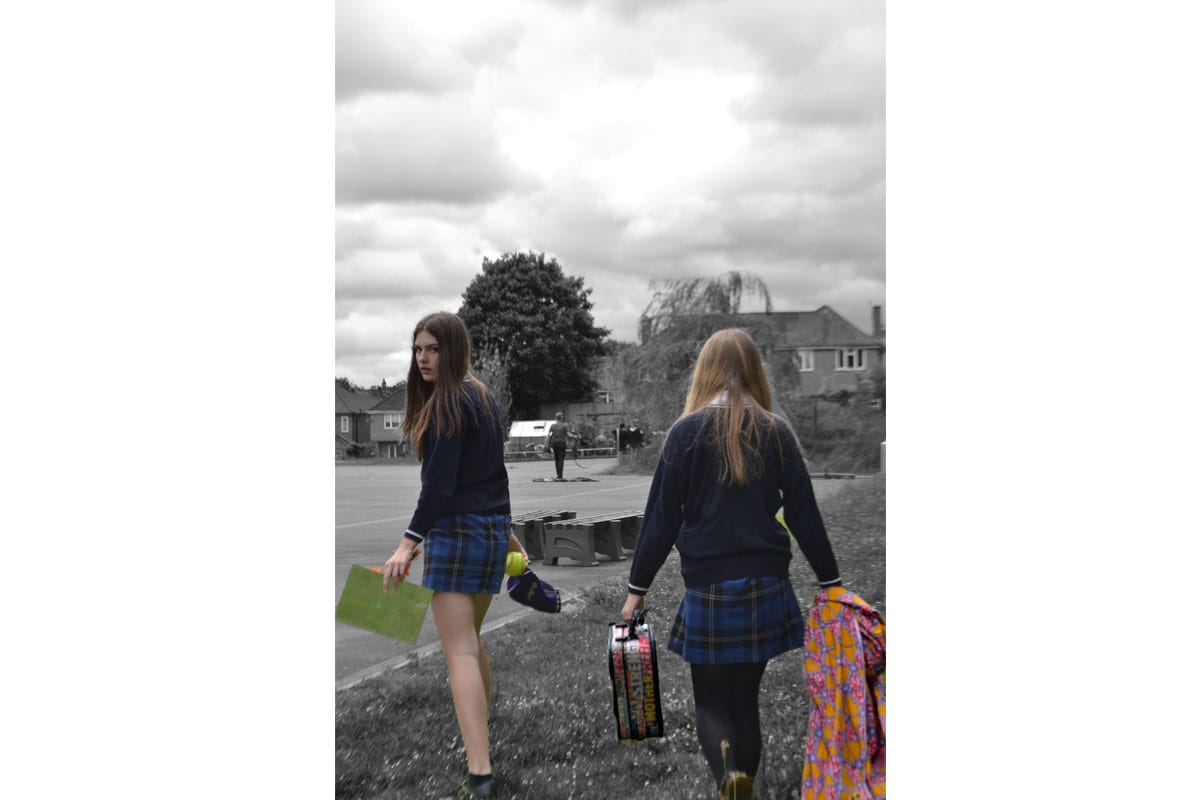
(844, 661)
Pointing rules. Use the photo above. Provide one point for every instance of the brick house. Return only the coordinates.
(351, 424)
(386, 417)
(829, 353)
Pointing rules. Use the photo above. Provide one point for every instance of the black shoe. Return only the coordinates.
(465, 792)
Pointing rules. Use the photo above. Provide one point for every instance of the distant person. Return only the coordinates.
(621, 434)
(463, 519)
(560, 432)
(726, 464)
(634, 434)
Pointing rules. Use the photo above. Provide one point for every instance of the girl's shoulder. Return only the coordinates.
(469, 392)
(473, 398)
(685, 429)
(775, 420)
(779, 425)
(690, 422)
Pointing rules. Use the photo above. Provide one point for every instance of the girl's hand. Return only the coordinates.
(514, 545)
(396, 568)
(633, 603)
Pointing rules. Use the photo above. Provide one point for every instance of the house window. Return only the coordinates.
(804, 360)
(851, 359)
(345, 424)
(391, 421)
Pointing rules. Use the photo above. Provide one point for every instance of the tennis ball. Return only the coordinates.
(514, 565)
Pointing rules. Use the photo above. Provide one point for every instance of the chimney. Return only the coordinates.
(876, 323)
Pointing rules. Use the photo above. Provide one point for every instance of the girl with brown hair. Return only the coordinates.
(462, 518)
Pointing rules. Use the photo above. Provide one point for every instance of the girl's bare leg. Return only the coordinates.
(482, 603)
(458, 617)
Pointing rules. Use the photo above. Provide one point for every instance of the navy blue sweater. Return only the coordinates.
(462, 474)
(723, 531)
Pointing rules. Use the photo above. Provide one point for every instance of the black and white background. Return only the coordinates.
(168, 304)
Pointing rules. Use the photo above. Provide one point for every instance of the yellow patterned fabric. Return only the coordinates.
(844, 662)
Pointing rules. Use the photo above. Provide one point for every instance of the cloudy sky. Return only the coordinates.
(166, 197)
(629, 139)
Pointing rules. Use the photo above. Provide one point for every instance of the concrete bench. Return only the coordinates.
(529, 528)
(583, 538)
(631, 523)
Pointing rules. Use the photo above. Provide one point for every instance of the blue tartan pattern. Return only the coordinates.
(737, 621)
(466, 553)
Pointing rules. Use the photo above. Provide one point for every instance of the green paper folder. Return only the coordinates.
(397, 614)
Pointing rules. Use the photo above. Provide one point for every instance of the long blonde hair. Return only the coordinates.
(437, 404)
(730, 370)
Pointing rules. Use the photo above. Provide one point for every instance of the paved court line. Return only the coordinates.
(372, 522)
(565, 496)
(609, 489)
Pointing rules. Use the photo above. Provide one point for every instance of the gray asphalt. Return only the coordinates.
(375, 501)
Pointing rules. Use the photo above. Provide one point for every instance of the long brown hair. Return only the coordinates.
(437, 403)
(730, 363)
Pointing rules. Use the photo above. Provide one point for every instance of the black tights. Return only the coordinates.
(727, 709)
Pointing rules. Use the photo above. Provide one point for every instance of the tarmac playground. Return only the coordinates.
(374, 502)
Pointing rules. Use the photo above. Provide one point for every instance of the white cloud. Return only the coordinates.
(372, 331)
(629, 141)
(411, 248)
(376, 52)
(399, 148)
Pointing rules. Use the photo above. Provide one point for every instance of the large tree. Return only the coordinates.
(526, 312)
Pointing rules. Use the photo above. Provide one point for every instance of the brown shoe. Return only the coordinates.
(737, 786)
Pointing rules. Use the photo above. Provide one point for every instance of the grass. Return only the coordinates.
(553, 733)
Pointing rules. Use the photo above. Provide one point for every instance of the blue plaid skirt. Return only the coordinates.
(466, 553)
(738, 621)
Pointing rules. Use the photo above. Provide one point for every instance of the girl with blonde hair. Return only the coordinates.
(463, 519)
(727, 465)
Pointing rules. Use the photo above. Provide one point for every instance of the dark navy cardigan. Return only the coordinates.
(724, 531)
(462, 474)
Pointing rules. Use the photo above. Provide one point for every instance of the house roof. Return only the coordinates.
(821, 328)
(352, 402)
(396, 400)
